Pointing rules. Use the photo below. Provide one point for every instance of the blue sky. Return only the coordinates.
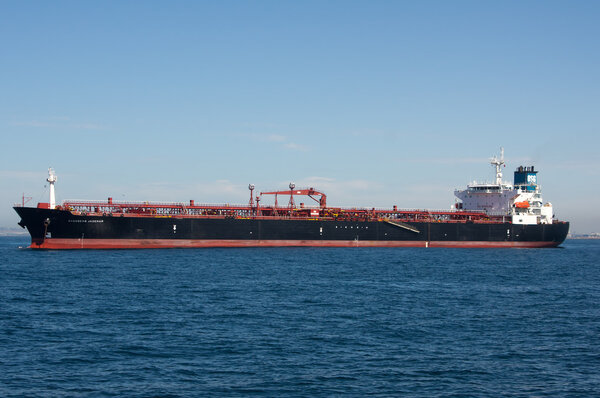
(377, 103)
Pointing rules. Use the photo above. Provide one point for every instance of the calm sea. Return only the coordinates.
(311, 322)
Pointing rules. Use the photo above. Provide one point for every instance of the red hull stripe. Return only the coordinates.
(55, 243)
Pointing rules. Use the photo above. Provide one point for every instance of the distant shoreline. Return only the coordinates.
(14, 233)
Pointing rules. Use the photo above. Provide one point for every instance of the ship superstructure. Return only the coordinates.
(521, 201)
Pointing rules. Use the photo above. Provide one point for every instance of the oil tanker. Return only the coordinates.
(492, 215)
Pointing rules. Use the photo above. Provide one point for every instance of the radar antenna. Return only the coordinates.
(498, 163)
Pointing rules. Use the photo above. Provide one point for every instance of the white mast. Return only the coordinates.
(498, 163)
(51, 180)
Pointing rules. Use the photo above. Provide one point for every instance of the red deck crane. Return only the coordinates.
(310, 192)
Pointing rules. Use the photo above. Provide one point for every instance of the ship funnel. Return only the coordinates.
(526, 178)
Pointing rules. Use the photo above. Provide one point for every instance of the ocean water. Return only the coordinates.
(307, 322)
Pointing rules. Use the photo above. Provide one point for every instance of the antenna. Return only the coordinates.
(498, 163)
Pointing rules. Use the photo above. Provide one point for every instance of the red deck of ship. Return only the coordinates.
(191, 210)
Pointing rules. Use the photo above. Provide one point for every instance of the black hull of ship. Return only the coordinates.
(60, 229)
